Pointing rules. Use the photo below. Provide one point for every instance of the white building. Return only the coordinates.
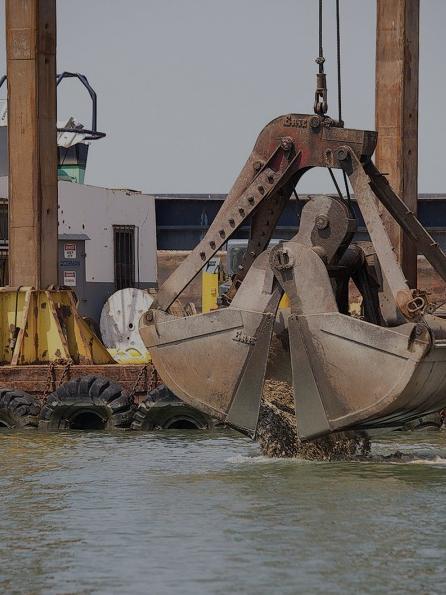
(107, 241)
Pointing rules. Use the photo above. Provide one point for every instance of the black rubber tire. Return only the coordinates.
(88, 402)
(18, 409)
(162, 410)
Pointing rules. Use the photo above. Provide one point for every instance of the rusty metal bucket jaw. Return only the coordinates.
(348, 373)
(216, 361)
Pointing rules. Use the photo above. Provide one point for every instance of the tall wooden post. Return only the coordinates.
(396, 114)
(32, 142)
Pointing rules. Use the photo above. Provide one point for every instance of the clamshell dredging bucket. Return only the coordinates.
(350, 374)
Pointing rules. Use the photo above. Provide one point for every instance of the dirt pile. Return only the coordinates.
(277, 435)
(276, 430)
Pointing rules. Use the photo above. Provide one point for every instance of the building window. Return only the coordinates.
(124, 250)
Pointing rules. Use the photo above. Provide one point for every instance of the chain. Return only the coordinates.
(51, 384)
(150, 384)
(142, 372)
(50, 380)
(154, 379)
(66, 371)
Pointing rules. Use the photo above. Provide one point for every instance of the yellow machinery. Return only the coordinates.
(210, 284)
(212, 277)
(43, 326)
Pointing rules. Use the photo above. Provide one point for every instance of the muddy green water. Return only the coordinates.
(195, 513)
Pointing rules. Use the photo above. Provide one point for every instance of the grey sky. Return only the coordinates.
(185, 86)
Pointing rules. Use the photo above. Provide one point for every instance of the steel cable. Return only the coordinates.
(320, 60)
(338, 52)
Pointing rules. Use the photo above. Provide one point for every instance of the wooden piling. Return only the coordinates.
(396, 114)
(32, 141)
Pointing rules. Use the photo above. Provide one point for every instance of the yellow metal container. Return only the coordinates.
(210, 283)
(40, 326)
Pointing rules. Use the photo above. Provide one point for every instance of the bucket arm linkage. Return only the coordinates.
(286, 148)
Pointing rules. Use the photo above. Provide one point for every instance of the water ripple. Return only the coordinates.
(193, 513)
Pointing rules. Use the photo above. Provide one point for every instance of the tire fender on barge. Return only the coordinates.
(162, 410)
(88, 402)
(18, 409)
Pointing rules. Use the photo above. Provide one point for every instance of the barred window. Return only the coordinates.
(124, 252)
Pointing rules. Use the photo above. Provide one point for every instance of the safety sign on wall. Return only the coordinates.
(69, 251)
(69, 278)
